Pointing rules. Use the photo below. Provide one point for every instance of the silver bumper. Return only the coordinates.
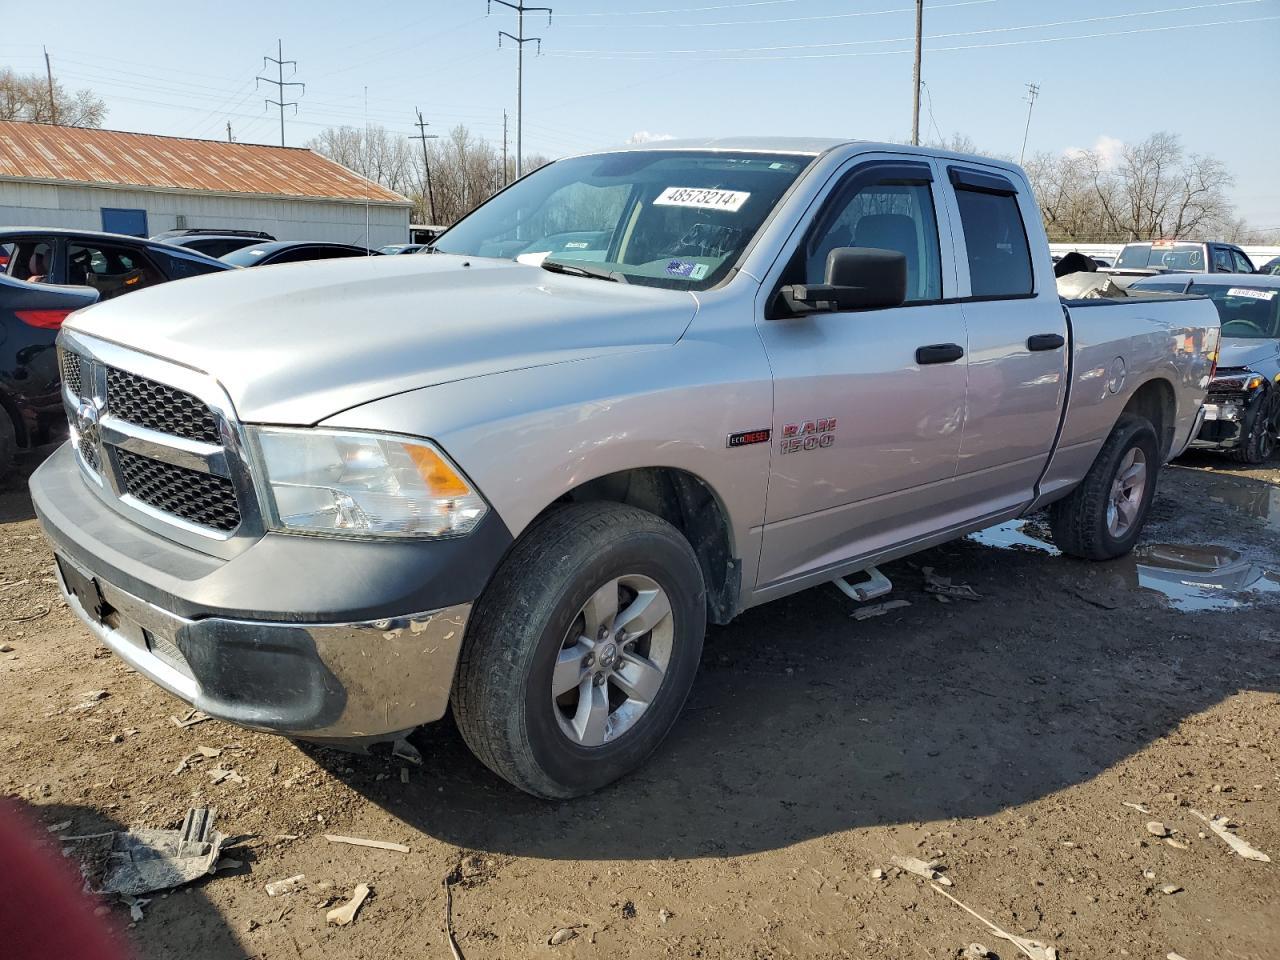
(341, 681)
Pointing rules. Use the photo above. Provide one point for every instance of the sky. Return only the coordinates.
(1108, 71)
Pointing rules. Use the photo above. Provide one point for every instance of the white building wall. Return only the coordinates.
(24, 204)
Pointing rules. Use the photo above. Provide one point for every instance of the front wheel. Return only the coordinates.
(1259, 444)
(579, 655)
(1103, 517)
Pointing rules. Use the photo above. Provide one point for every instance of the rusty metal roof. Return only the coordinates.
(48, 153)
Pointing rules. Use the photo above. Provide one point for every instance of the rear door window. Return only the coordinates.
(994, 235)
(1242, 262)
(1222, 260)
(109, 269)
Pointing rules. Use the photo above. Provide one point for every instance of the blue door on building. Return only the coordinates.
(130, 222)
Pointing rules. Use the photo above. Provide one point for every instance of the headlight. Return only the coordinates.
(362, 485)
(1237, 380)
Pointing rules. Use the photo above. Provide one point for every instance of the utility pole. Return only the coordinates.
(230, 139)
(520, 40)
(915, 77)
(506, 170)
(1033, 91)
(426, 161)
(279, 83)
(48, 72)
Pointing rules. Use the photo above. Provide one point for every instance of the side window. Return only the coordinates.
(109, 269)
(31, 260)
(1222, 260)
(994, 235)
(6, 257)
(180, 267)
(1242, 262)
(886, 206)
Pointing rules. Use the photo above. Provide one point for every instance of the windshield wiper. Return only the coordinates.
(582, 270)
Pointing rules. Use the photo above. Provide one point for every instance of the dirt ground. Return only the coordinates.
(1001, 736)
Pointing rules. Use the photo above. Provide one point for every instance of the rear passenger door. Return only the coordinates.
(865, 435)
(1018, 350)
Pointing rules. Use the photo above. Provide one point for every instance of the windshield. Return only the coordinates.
(245, 256)
(676, 219)
(1248, 313)
(1163, 256)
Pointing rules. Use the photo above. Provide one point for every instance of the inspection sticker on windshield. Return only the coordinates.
(703, 199)
(1251, 293)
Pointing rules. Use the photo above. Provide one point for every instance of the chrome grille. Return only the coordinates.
(156, 442)
(195, 497)
(158, 406)
(70, 366)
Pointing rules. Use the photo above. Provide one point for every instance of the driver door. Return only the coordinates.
(867, 424)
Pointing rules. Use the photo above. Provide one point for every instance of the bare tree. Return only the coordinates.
(1153, 189)
(26, 97)
(379, 156)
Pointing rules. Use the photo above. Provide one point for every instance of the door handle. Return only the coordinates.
(939, 353)
(1045, 341)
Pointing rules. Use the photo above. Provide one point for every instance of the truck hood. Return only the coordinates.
(1239, 352)
(296, 343)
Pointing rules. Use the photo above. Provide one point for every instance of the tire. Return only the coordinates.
(1082, 523)
(520, 643)
(8, 443)
(1259, 445)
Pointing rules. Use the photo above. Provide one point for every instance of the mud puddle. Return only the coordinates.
(1191, 577)
(1260, 501)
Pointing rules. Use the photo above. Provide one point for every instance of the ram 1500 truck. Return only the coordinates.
(634, 392)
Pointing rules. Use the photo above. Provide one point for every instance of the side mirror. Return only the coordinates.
(857, 278)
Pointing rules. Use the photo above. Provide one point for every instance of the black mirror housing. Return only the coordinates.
(857, 278)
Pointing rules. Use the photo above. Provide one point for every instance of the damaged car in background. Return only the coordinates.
(1242, 412)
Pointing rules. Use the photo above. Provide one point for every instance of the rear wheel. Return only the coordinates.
(8, 443)
(1103, 517)
(1260, 444)
(581, 652)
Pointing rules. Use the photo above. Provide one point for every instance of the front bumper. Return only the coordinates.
(309, 637)
(1223, 426)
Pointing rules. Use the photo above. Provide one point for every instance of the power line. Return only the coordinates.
(759, 23)
(280, 83)
(934, 36)
(625, 56)
(426, 160)
(645, 13)
(1033, 91)
(520, 40)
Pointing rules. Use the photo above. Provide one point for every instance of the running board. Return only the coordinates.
(876, 585)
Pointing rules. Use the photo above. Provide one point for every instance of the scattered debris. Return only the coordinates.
(404, 750)
(664, 915)
(209, 752)
(1170, 888)
(360, 842)
(221, 774)
(135, 905)
(628, 911)
(1134, 806)
(1158, 829)
(454, 950)
(288, 885)
(1177, 844)
(346, 914)
(879, 609)
(89, 700)
(142, 860)
(922, 868)
(1175, 956)
(877, 874)
(6, 648)
(943, 587)
(1031, 948)
(404, 774)
(563, 935)
(1219, 826)
(191, 719)
(58, 827)
(1149, 874)
(976, 951)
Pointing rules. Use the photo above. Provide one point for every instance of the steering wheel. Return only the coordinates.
(1248, 323)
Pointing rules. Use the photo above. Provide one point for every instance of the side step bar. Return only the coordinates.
(876, 585)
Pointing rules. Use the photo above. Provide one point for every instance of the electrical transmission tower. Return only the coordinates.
(280, 83)
(520, 40)
(1033, 91)
(426, 161)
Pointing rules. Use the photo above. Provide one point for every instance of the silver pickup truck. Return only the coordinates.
(635, 392)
